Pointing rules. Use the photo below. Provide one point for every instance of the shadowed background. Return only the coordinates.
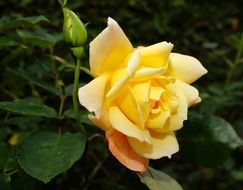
(211, 31)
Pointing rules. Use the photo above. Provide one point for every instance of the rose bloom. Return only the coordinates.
(139, 96)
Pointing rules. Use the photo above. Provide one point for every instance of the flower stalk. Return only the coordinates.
(75, 34)
(77, 53)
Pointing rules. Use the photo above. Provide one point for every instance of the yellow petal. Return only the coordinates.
(129, 105)
(141, 92)
(133, 62)
(158, 121)
(185, 68)
(156, 55)
(121, 77)
(102, 121)
(175, 121)
(121, 149)
(117, 86)
(121, 123)
(148, 72)
(164, 81)
(88, 96)
(163, 144)
(156, 92)
(191, 93)
(109, 49)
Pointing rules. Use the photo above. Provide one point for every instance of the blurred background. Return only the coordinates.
(33, 54)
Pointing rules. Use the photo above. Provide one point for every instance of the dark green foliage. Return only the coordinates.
(36, 78)
(208, 140)
(27, 107)
(45, 154)
(7, 160)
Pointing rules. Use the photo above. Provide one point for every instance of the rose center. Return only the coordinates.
(156, 105)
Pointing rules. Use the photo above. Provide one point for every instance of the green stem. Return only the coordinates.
(62, 100)
(233, 70)
(75, 96)
(239, 52)
(87, 71)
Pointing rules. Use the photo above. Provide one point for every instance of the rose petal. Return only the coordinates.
(141, 92)
(158, 121)
(163, 144)
(128, 104)
(121, 123)
(121, 77)
(175, 121)
(121, 149)
(109, 49)
(156, 55)
(156, 92)
(185, 68)
(102, 122)
(88, 96)
(191, 93)
(148, 72)
(117, 87)
(133, 62)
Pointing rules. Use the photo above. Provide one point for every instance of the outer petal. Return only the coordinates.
(102, 122)
(121, 149)
(156, 55)
(163, 144)
(88, 96)
(121, 123)
(185, 68)
(109, 49)
(191, 93)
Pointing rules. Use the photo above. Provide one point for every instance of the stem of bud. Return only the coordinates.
(75, 90)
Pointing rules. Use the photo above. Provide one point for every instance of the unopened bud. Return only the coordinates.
(73, 29)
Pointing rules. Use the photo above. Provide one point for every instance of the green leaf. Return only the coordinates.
(21, 22)
(69, 89)
(210, 45)
(158, 180)
(69, 113)
(45, 154)
(4, 184)
(7, 41)
(39, 82)
(26, 123)
(4, 133)
(207, 139)
(7, 158)
(13, 55)
(33, 19)
(40, 39)
(237, 174)
(29, 108)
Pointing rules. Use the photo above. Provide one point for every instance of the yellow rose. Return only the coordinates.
(139, 96)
